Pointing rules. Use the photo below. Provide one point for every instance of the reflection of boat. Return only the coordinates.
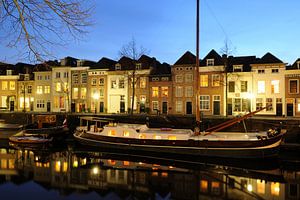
(136, 137)
(26, 138)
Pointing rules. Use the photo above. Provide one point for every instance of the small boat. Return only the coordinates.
(137, 137)
(26, 138)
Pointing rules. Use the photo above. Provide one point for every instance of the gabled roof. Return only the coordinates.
(245, 61)
(69, 61)
(212, 55)
(148, 62)
(268, 58)
(293, 66)
(126, 63)
(104, 63)
(186, 58)
(161, 69)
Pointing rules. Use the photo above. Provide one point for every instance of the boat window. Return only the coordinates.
(142, 136)
(171, 137)
(126, 133)
(156, 137)
(126, 163)
(111, 162)
(112, 133)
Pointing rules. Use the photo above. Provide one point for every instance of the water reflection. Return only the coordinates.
(81, 174)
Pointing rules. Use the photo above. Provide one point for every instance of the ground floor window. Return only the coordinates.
(204, 102)
(155, 105)
(259, 103)
(269, 104)
(178, 106)
(40, 103)
(237, 105)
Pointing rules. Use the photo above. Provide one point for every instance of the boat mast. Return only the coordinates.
(197, 66)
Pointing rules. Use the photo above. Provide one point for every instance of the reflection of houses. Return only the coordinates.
(212, 84)
(292, 93)
(269, 85)
(160, 86)
(8, 87)
(183, 84)
(98, 85)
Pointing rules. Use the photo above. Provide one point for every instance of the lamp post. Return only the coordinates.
(96, 98)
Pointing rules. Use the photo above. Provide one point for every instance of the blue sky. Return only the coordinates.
(167, 29)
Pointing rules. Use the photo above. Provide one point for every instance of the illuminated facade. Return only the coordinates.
(9, 91)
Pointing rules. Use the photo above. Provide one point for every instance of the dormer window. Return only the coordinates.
(26, 77)
(138, 66)
(298, 65)
(210, 62)
(118, 66)
(9, 72)
(237, 68)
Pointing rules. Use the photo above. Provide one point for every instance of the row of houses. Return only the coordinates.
(228, 85)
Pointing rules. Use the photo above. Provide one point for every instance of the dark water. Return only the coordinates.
(75, 172)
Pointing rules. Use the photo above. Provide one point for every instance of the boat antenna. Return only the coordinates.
(197, 65)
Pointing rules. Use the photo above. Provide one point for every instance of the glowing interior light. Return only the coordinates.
(249, 188)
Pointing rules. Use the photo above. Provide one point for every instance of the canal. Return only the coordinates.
(71, 171)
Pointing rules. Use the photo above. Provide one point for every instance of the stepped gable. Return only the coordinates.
(212, 55)
(104, 63)
(186, 59)
(268, 58)
(294, 66)
(245, 61)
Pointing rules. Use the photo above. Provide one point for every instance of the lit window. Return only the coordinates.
(142, 136)
(154, 91)
(261, 87)
(157, 137)
(275, 87)
(237, 68)
(83, 93)
(126, 163)
(65, 167)
(126, 133)
(298, 105)
(58, 87)
(138, 66)
(275, 189)
(12, 85)
(111, 162)
(112, 133)
(204, 80)
(39, 89)
(47, 89)
(118, 66)
(171, 137)
(155, 105)
(164, 91)
(204, 185)
(57, 166)
(216, 78)
(4, 85)
(261, 186)
(75, 93)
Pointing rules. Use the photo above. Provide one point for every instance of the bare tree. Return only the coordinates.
(34, 26)
(226, 51)
(131, 50)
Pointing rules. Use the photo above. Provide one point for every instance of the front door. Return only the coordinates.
(48, 106)
(278, 109)
(189, 108)
(165, 107)
(11, 105)
(216, 108)
(101, 107)
(290, 109)
(122, 107)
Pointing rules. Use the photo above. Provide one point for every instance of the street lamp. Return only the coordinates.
(96, 98)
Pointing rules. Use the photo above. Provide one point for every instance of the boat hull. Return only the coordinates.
(225, 149)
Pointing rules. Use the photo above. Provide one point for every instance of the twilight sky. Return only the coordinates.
(167, 29)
